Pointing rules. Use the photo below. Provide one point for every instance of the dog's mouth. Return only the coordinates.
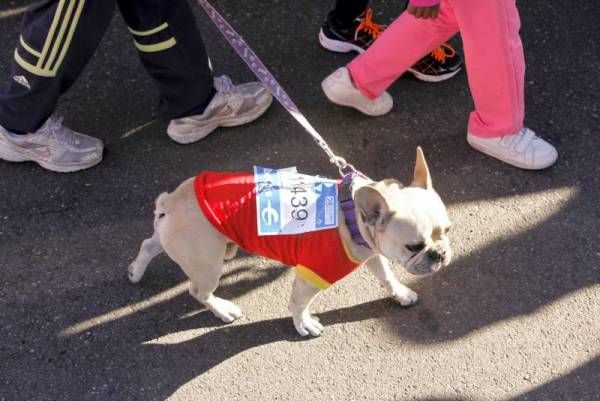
(420, 267)
(425, 270)
(416, 268)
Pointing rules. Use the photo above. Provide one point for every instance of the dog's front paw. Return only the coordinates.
(305, 324)
(404, 295)
(225, 310)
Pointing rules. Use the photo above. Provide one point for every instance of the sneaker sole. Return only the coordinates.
(15, 156)
(433, 78)
(196, 135)
(497, 156)
(338, 46)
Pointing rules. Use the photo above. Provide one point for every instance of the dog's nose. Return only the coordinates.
(434, 255)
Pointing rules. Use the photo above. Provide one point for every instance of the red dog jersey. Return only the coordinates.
(228, 201)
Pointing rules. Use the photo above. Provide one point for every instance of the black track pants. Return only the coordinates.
(346, 11)
(58, 37)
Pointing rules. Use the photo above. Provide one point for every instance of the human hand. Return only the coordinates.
(430, 12)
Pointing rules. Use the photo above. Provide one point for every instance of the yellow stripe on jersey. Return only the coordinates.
(352, 258)
(313, 278)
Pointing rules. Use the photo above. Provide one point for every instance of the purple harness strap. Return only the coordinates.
(347, 204)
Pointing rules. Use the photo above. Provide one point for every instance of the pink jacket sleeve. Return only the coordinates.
(424, 3)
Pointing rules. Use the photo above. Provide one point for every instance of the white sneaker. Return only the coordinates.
(338, 88)
(524, 149)
(232, 105)
(53, 146)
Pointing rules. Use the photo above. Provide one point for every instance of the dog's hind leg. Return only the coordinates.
(150, 247)
(202, 289)
(200, 250)
(194, 244)
(204, 269)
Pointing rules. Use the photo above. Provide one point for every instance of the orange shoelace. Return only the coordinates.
(369, 26)
(445, 50)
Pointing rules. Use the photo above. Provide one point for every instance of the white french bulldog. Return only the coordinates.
(405, 224)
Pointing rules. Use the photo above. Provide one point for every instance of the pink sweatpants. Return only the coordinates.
(493, 56)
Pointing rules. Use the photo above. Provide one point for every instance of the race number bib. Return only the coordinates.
(291, 203)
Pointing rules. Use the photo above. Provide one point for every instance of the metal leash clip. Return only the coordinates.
(343, 166)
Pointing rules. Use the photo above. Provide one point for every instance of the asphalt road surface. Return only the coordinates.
(515, 317)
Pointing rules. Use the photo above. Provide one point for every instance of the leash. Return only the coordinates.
(347, 170)
(265, 76)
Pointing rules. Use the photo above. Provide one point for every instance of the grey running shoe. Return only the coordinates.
(232, 105)
(53, 146)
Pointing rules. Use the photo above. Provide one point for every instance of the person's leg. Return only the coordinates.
(349, 27)
(172, 51)
(405, 41)
(58, 37)
(496, 74)
(363, 83)
(346, 11)
(493, 48)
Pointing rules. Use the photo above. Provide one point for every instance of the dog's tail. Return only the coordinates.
(160, 209)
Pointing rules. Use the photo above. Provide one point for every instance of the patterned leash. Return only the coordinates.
(259, 69)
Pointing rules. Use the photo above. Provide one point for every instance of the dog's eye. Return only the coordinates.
(416, 248)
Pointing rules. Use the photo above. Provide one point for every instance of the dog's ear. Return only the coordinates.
(421, 179)
(372, 207)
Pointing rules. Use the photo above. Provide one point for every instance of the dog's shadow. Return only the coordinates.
(162, 367)
(188, 360)
(181, 362)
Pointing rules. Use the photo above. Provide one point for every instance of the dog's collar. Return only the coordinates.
(347, 204)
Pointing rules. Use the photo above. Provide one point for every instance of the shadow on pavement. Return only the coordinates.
(581, 384)
(42, 365)
(510, 277)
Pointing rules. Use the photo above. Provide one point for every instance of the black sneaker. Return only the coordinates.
(441, 64)
(357, 37)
